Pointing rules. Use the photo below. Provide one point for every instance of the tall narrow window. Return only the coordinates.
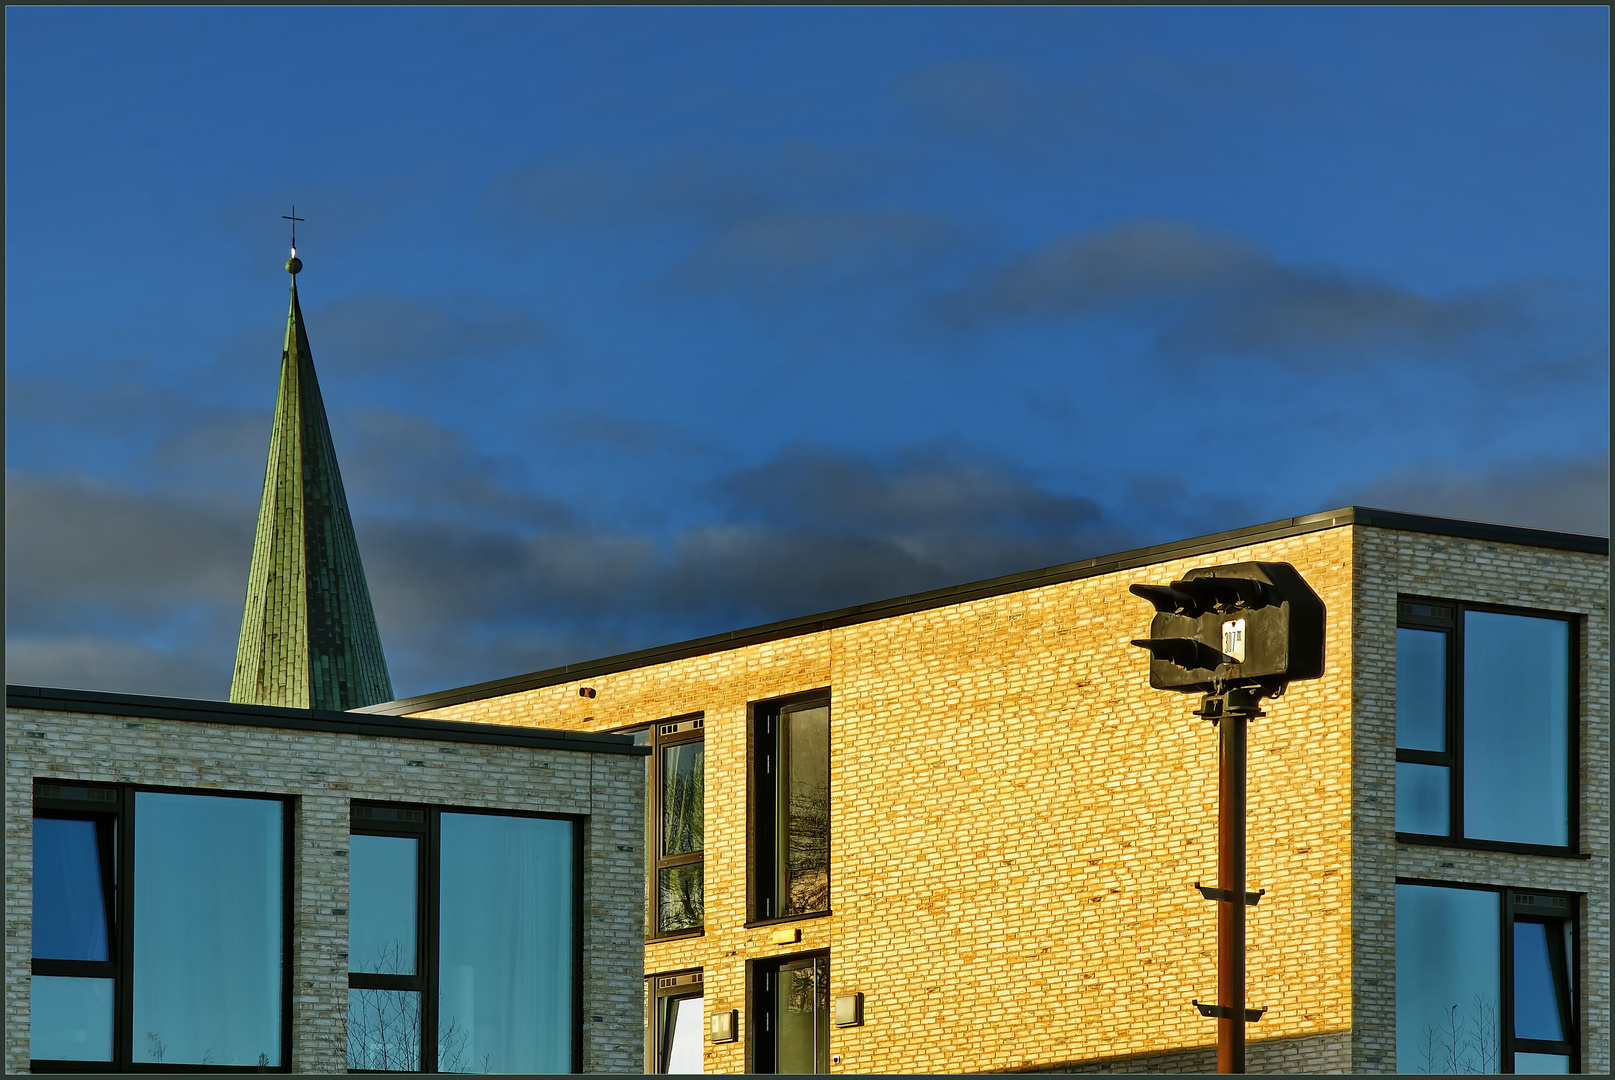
(159, 929)
(75, 933)
(1484, 980)
(791, 1015)
(677, 1034)
(680, 834)
(462, 941)
(1485, 725)
(386, 887)
(791, 808)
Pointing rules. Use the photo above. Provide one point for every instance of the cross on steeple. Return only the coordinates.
(294, 219)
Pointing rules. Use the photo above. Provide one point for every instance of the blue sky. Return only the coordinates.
(641, 324)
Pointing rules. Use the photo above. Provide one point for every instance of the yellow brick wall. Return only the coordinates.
(1017, 823)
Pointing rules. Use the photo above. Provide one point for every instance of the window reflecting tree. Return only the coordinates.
(681, 890)
(806, 820)
(1463, 1044)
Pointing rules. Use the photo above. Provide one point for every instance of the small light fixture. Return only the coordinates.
(850, 1010)
(724, 1026)
(586, 691)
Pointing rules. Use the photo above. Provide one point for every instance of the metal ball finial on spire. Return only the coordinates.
(293, 264)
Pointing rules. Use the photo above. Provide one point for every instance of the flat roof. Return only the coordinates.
(1029, 579)
(101, 703)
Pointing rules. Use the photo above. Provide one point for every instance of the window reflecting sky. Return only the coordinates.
(1447, 979)
(70, 918)
(505, 945)
(1536, 995)
(1516, 728)
(1421, 689)
(207, 972)
(70, 1019)
(1423, 795)
(685, 1036)
(383, 881)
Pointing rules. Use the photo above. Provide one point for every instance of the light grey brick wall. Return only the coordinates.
(1388, 563)
(323, 772)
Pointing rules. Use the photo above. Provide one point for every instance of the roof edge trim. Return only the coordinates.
(146, 707)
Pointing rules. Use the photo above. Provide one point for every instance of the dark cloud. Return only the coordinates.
(757, 223)
(486, 580)
(167, 435)
(1136, 262)
(402, 466)
(380, 331)
(923, 488)
(815, 529)
(765, 251)
(994, 101)
(112, 589)
(72, 541)
(614, 431)
(1566, 495)
(702, 186)
(1218, 294)
(118, 665)
(1130, 99)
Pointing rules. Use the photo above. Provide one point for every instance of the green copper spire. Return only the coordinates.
(308, 632)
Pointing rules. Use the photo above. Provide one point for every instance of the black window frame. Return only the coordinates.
(672, 731)
(1447, 616)
(115, 803)
(1520, 904)
(763, 857)
(661, 989)
(391, 819)
(369, 817)
(763, 1043)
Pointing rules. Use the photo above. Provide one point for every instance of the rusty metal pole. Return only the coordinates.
(1231, 880)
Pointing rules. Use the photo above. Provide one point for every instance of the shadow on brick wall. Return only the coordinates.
(1329, 1053)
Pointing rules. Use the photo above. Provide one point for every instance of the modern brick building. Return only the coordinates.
(209, 885)
(958, 831)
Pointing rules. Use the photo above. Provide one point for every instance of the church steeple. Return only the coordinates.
(308, 632)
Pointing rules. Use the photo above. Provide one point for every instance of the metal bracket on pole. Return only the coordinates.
(1251, 898)
(1224, 1012)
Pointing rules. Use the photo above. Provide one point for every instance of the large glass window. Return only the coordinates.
(1485, 725)
(1484, 980)
(791, 1015)
(159, 929)
(791, 809)
(208, 929)
(677, 1035)
(462, 941)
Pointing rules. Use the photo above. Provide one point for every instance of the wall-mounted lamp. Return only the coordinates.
(850, 1010)
(586, 691)
(724, 1026)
